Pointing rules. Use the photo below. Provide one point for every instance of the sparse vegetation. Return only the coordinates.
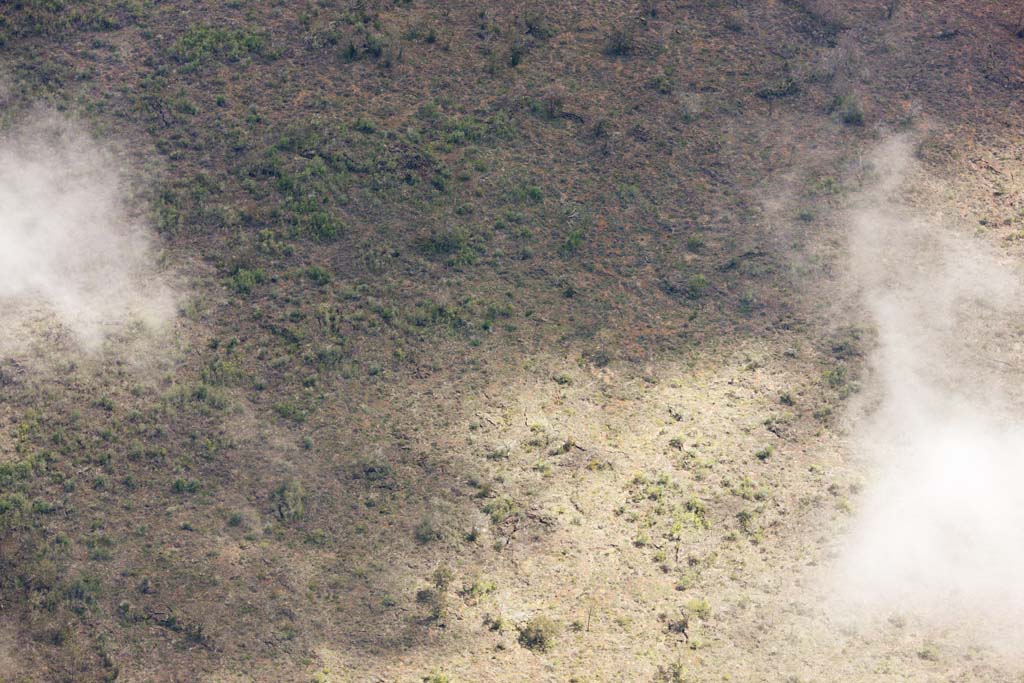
(483, 311)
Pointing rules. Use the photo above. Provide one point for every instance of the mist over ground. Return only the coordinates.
(940, 529)
(73, 260)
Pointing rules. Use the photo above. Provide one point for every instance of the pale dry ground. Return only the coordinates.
(773, 615)
(767, 620)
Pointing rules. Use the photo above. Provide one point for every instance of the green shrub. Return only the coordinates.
(442, 578)
(501, 509)
(853, 115)
(201, 44)
(536, 24)
(85, 589)
(449, 241)
(12, 505)
(494, 622)
(185, 486)
(699, 607)
(290, 410)
(696, 286)
(321, 226)
(787, 87)
(427, 313)
(827, 185)
(620, 42)
(289, 500)
(436, 598)
(837, 377)
(696, 512)
(673, 673)
(426, 532)
(458, 244)
(572, 242)
(661, 83)
(243, 280)
(318, 275)
(538, 634)
(480, 589)
(849, 110)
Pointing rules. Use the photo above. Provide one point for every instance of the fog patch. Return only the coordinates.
(939, 531)
(76, 263)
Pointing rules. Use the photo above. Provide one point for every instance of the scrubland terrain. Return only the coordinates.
(512, 341)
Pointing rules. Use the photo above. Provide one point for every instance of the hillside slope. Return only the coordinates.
(509, 341)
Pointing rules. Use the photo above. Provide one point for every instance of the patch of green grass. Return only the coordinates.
(100, 547)
(57, 17)
(200, 45)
